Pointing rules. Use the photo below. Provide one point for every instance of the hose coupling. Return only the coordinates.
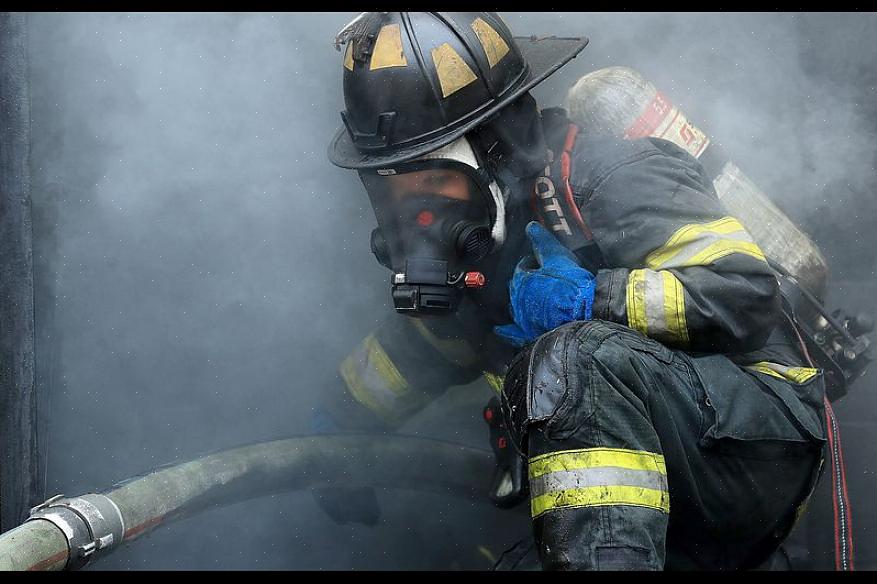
(92, 524)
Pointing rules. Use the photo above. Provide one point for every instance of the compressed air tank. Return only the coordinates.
(619, 102)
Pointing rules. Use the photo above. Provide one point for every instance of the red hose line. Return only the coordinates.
(840, 498)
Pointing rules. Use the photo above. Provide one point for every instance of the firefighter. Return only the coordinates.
(632, 329)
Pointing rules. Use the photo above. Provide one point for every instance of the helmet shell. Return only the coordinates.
(416, 81)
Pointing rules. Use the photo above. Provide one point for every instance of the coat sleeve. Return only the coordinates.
(394, 372)
(681, 269)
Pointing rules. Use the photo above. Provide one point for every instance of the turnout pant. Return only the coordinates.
(642, 457)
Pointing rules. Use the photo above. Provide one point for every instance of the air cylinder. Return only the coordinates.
(619, 102)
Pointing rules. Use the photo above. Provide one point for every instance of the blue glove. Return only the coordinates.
(544, 295)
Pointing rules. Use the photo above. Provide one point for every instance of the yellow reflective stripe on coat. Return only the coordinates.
(600, 496)
(596, 457)
(375, 382)
(656, 305)
(494, 381)
(701, 244)
(784, 372)
(598, 476)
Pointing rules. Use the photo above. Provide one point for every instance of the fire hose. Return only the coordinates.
(68, 533)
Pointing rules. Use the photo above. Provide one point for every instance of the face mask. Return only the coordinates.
(434, 226)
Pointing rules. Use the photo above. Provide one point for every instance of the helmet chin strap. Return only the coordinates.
(461, 150)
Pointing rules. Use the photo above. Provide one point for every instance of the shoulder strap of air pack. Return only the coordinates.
(552, 199)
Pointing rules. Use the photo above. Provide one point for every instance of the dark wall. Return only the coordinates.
(20, 458)
(201, 268)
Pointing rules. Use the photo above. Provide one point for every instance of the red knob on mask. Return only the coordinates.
(474, 280)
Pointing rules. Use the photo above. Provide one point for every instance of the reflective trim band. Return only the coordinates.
(388, 51)
(701, 244)
(494, 381)
(725, 225)
(600, 496)
(567, 480)
(674, 308)
(636, 301)
(494, 47)
(793, 374)
(596, 457)
(453, 72)
(598, 476)
(656, 305)
(375, 382)
(348, 57)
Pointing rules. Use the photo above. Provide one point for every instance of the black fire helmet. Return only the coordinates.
(417, 81)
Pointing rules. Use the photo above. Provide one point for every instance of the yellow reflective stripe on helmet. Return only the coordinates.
(701, 244)
(596, 457)
(598, 476)
(453, 72)
(793, 374)
(388, 51)
(656, 305)
(375, 382)
(494, 47)
(348, 57)
(600, 496)
(494, 381)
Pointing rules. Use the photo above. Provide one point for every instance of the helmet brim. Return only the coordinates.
(543, 55)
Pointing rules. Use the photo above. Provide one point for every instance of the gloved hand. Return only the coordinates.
(548, 292)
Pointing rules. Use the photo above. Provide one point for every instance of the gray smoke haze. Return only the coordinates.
(202, 268)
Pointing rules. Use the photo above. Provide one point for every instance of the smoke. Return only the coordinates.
(202, 268)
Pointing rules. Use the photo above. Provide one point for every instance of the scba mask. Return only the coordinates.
(438, 217)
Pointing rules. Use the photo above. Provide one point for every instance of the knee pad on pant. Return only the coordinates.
(548, 380)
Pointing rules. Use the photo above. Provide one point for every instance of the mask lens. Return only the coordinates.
(433, 223)
(433, 212)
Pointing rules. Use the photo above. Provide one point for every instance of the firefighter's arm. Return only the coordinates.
(393, 373)
(390, 375)
(684, 271)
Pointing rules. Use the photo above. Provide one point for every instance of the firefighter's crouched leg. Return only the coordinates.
(612, 422)
(598, 481)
